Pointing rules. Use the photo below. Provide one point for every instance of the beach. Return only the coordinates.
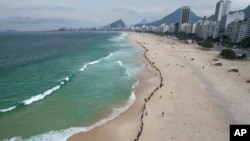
(181, 95)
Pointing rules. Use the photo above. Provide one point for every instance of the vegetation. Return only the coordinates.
(246, 42)
(208, 43)
(228, 54)
(224, 39)
(185, 36)
(242, 57)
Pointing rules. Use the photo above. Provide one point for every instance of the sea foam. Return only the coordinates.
(90, 63)
(119, 62)
(109, 56)
(8, 109)
(95, 62)
(63, 135)
(46, 93)
(119, 38)
(51, 90)
(40, 96)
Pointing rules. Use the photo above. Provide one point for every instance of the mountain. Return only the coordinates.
(143, 22)
(211, 18)
(174, 18)
(116, 24)
(10, 30)
(247, 12)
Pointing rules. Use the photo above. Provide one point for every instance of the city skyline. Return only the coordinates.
(44, 15)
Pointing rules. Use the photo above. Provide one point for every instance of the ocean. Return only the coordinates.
(56, 84)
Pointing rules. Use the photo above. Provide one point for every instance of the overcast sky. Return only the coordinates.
(52, 14)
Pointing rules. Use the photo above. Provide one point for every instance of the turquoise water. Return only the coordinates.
(55, 84)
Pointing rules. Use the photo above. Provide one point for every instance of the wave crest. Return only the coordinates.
(63, 135)
(119, 38)
(40, 96)
(120, 63)
(90, 63)
(53, 89)
(8, 109)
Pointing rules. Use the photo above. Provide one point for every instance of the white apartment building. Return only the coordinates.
(226, 19)
(238, 30)
(195, 25)
(186, 27)
(207, 28)
(168, 28)
(231, 29)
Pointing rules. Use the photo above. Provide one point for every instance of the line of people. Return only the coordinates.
(144, 111)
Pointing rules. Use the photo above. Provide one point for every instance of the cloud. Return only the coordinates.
(38, 24)
(32, 20)
(127, 10)
(140, 11)
(235, 5)
(48, 7)
(152, 13)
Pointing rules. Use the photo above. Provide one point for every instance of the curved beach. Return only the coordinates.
(181, 96)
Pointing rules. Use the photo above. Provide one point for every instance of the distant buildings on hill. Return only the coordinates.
(224, 22)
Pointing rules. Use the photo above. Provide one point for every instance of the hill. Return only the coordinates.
(116, 24)
(174, 17)
(247, 12)
(144, 21)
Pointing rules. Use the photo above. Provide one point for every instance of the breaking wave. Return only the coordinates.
(63, 135)
(50, 91)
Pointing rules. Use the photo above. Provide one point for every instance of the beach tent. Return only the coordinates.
(218, 63)
(233, 69)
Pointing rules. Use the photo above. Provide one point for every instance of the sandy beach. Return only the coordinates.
(181, 96)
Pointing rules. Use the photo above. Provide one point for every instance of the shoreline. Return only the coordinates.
(135, 112)
(185, 97)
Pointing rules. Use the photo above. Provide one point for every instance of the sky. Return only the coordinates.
(37, 15)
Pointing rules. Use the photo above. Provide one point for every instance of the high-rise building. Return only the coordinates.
(218, 10)
(184, 17)
(222, 8)
(231, 30)
(247, 34)
(226, 8)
